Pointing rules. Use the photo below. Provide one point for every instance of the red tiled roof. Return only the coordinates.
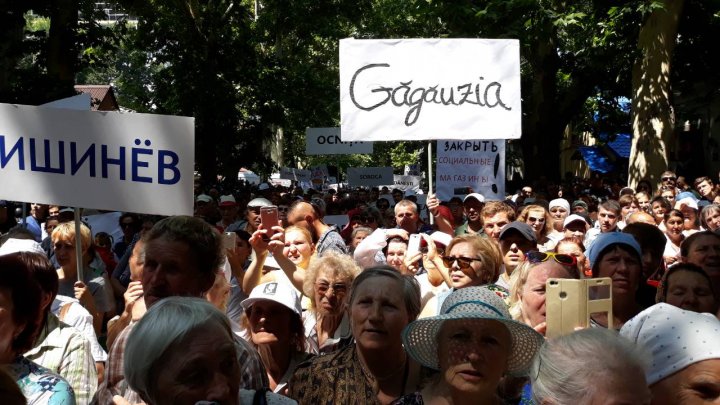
(102, 97)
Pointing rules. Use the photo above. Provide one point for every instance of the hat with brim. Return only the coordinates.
(259, 202)
(280, 292)
(476, 196)
(227, 201)
(203, 198)
(520, 228)
(420, 337)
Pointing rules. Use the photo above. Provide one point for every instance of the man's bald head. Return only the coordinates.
(640, 217)
(302, 214)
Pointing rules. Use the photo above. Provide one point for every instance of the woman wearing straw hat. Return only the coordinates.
(473, 342)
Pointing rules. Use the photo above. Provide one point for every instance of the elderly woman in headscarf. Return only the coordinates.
(473, 343)
(685, 349)
(618, 256)
(183, 352)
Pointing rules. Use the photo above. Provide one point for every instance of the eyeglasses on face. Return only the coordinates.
(539, 257)
(463, 262)
(533, 219)
(337, 289)
(668, 178)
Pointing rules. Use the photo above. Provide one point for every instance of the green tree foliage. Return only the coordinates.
(248, 70)
(39, 61)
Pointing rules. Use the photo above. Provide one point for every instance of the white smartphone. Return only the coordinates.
(413, 244)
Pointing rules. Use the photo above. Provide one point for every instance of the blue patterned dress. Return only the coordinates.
(39, 385)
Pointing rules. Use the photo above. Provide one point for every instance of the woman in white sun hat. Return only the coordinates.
(473, 343)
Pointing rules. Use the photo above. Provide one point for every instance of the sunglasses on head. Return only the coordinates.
(539, 257)
(463, 262)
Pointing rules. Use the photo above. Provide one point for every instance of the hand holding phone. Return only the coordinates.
(570, 303)
(269, 219)
(413, 244)
(229, 240)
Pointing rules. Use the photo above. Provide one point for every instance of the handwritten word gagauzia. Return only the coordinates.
(486, 95)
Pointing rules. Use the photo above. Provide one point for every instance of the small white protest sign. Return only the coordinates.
(106, 160)
(420, 89)
(289, 173)
(405, 183)
(326, 141)
(369, 176)
(318, 174)
(478, 164)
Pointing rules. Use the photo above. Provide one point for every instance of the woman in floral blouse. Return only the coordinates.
(19, 324)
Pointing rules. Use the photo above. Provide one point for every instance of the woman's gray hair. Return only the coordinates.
(337, 264)
(359, 229)
(165, 323)
(706, 212)
(410, 287)
(566, 369)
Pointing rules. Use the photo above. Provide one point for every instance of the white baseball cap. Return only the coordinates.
(476, 196)
(282, 293)
(203, 198)
(574, 218)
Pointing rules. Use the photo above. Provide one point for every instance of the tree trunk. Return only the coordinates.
(62, 52)
(653, 119)
(11, 37)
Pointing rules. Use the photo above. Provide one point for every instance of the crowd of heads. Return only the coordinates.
(405, 300)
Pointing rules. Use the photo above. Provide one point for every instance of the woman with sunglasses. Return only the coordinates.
(469, 260)
(618, 256)
(327, 282)
(575, 247)
(541, 222)
(527, 298)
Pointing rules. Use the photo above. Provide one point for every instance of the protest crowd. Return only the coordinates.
(259, 298)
